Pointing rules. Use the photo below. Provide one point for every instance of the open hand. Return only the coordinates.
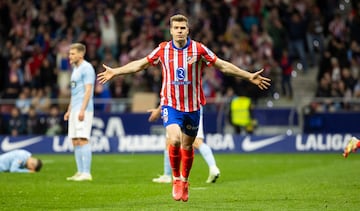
(261, 81)
(105, 76)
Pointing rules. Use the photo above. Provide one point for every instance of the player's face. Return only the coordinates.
(74, 56)
(179, 31)
(31, 164)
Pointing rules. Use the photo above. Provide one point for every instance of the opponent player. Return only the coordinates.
(205, 151)
(352, 146)
(80, 111)
(19, 160)
(183, 61)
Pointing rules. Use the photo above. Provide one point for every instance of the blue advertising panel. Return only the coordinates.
(111, 124)
(220, 143)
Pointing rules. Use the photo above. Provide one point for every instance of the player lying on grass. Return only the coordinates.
(19, 161)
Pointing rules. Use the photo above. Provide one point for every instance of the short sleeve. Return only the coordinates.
(209, 56)
(154, 56)
(89, 75)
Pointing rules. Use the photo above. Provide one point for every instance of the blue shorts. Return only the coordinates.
(188, 121)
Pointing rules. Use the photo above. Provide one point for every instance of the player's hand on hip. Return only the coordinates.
(155, 114)
(105, 76)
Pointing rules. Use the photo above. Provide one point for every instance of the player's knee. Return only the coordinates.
(197, 143)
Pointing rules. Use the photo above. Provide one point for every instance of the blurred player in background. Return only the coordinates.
(80, 111)
(351, 146)
(19, 161)
(183, 61)
(199, 144)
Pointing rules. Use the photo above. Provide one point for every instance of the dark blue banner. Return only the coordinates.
(111, 124)
(222, 143)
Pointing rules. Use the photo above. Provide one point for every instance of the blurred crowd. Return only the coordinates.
(278, 35)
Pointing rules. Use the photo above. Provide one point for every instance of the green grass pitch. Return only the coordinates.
(247, 182)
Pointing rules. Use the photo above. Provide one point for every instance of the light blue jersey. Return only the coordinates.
(82, 75)
(14, 161)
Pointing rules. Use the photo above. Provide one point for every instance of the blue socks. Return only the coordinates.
(77, 153)
(83, 156)
(86, 156)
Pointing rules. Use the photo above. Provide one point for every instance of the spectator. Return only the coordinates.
(119, 88)
(296, 31)
(338, 50)
(63, 66)
(32, 67)
(278, 34)
(102, 93)
(34, 124)
(24, 101)
(325, 65)
(108, 32)
(315, 34)
(323, 89)
(354, 51)
(250, 19)
(286, 69)
(16, 123)
(47, 75)
(348, 79)
(54, 122)
(13, 87)
(337, 27)
(41, 100)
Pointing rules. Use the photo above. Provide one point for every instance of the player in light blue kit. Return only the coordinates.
(19, 161)
(80, 111)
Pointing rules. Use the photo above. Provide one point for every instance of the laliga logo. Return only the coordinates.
(322, 142)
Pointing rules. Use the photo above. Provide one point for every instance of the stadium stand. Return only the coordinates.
(35, 36)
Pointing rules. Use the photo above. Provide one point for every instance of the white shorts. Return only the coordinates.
(80, 129)
(200, 133)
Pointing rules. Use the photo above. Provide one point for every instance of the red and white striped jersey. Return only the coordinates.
(182, 73)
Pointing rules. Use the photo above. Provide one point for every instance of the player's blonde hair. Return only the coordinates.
(79, 47)
(179, 18)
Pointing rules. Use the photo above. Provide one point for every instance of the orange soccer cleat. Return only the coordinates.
(185, 191)
(177, 190)
(350, 147)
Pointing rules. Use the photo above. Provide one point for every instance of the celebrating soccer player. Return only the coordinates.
(183, 61)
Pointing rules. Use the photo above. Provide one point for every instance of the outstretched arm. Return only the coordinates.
(132, 67)
(255, 78)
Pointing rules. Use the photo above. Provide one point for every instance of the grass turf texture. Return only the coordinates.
(247, 182)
